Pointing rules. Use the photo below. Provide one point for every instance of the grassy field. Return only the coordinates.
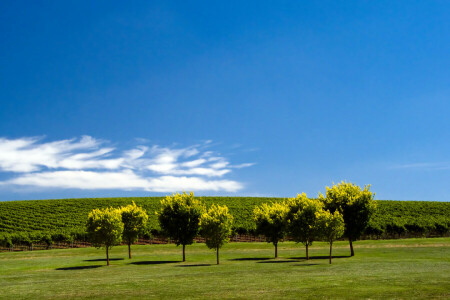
(401, 269)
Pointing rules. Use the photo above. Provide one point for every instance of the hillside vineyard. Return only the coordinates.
(392, 219)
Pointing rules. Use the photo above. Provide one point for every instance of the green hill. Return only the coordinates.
(69, 215)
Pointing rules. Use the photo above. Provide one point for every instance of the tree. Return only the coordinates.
(302, 217)
(216, 227)
(270, 221)
(354, 204)
(331, 227)
(47, 240)
(134, 219)
(6, 241)
(105, 228)
(179, 218)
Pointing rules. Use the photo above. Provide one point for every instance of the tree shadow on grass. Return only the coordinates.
(195, 265)
(320, 257)
(304, 265)
(103, 259)
(250, 258)
(79, 268)
(154, 262)
(275, 261)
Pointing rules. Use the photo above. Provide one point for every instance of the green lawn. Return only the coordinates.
(401, 269)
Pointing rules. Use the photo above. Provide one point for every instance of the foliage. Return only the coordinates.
(46, 239)
(134, 220)
(6, 241)
(270, 221)
(179, 217)
(68, 216)
(331, 225)
(302, 218)
(355, 205)
(216, 226)
(105, 227)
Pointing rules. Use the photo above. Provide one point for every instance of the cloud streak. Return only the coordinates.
(424, 166)
(86, 163)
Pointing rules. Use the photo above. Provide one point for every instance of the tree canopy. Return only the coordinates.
(134, 220)
(355, 204)
(302, 217)
(179, 218)
(216, 226)
(331, 227)
(105, 228)
(270, 221)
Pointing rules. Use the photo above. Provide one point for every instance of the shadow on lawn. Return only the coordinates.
(103, 259)
(304, 265)
(275, 261)
(321, 257)
(196, 265)
(250, 258)
(79, 268)
(154, 262)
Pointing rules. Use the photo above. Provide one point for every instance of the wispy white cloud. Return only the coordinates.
(121, 180)
(424, 166)
(86, 163)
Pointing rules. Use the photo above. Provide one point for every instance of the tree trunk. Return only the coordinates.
(307, 254)
(184, 255)
(352, 253)
(217, 254)
(129, 250)
(331, 246)
(276, 250)
(107, 255)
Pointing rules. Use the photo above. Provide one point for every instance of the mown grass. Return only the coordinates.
(400, 269)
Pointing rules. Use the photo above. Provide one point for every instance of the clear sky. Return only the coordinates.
(257, 98)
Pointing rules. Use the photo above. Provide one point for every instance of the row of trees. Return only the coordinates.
(346, 209)
(303, 219)
(182, 218)
(107, 227)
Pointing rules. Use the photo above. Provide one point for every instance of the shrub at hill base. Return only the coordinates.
(331, 227)
(179, 218)
(270, 221)
(6, 241)
(134, 220)
(216, 226)
(355, 205)
(302, 219)
(105, 228)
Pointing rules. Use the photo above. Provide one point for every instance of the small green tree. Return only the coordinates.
(216, 226)
(356, 206)
(6, 241)
(331, 227)
(105, 228)
(134, 220)
(270, 221)
(46, 238)
(179, 218)
(302, 217)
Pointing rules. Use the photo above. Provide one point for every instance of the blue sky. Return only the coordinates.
(261, 98)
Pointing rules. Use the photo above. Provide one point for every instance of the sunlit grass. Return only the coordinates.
(402, 269)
